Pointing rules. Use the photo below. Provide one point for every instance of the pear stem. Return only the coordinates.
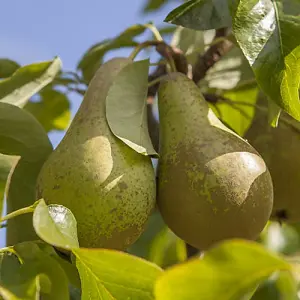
(142, 46)
(156, 80)
(155, 31)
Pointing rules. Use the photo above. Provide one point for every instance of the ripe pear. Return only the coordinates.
(280, 149)
(109, 187)
(212, 184)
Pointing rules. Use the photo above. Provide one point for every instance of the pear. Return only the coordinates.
(212, 184)
(109, 187)
(280, 149)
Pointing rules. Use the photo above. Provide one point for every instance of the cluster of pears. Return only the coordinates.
(212, 184)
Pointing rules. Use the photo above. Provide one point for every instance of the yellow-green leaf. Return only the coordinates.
(115, 275)
(228, 271)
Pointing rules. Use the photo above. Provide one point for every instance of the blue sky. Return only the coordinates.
(35, 30)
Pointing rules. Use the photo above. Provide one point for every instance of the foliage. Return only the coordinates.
(257, 58)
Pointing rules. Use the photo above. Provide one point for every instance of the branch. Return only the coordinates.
(211, 56)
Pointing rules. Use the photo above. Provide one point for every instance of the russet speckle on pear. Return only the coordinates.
(212, 184)
(280, 149)
(109, 187)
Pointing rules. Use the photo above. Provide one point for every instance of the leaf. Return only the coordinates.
(227, 271)
(202, 14)
(240, 111)
(167, 249)
(6, 163)
(69, 268)
(15, 285)
(291, 7)
(93, 58)
(54, 283)
(153, 5)
(280, 285)
(27, 81)
(22, 135)
(126, 109)
(56, 225)
(267, 39)
(274, 112)
(52, 111)
(108, 274)
(7, 67)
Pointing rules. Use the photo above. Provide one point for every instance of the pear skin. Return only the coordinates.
(109, 187)
(280, 149)
(212, 184)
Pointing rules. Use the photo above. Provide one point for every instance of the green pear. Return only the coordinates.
(212, 184)
(109, 187)
(280, 149)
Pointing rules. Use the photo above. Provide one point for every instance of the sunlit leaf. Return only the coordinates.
(52, 111)
(267, 39)
(227, 271)
(238, 107)
(56, 225)
(7, 67)
(27, 81)
(126, 109)
(108, 274)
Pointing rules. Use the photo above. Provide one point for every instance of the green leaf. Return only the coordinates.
(280, 285)
(69, 268)
(274, 112)
(272, 50)
(52, 111)
(239, 108)
(22, 135)
(153, 5)
(14, 284)
(291, 7)
(202, 14)
(108, 274)
(227, 271)
(167, 249)
(6, 164)
(54, 283)
(93, 58)
(27, 81)
(126, 109)
(56, 225)
(7, 67)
